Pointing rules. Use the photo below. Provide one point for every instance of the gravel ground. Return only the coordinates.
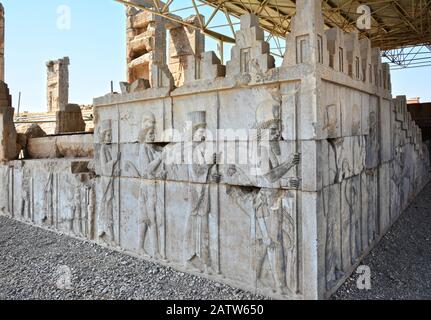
(401, 263)
(30, 259)
(29, 267)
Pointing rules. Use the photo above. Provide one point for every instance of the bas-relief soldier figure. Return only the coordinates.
(26, 207)
(109, 168)
(201, 173)
(276, 227)
(48, 198)
(151, 194)
(4, 197)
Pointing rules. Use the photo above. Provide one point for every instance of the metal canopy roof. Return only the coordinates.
(394, 23)
(400, 28)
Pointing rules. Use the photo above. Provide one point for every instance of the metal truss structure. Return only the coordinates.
(409, 57)
(397, 26)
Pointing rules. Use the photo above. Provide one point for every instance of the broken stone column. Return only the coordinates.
(2, 24)
(9, 148)
(185, 42)
(251, 54)
(58, 84)
(146, 44)
(69, 120)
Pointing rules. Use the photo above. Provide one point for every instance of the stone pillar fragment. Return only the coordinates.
(251, 54)
(146, 43)
(9, 148)
(57, 84)
(185, 42)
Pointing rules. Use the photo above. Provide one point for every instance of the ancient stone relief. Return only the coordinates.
(109, 166)
(48, 218)
(274, 216)
(27, 196)
(150, 167)
(204, 169)
(5, 203)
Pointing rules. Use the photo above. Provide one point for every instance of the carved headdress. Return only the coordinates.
(267, 113)
(198, 119)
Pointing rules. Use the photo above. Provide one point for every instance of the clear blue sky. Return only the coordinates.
(95, 44)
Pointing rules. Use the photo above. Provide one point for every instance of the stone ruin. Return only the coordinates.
(57, 84)
(277, 180)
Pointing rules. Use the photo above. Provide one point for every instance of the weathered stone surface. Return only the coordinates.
(251, 53)
(69, 120)
(276, 180)
(185, 43)
(9, 147)
(57, 84)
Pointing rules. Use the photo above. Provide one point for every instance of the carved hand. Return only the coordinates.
(296, 159)
(294, 183)
(216, 177)
(216, 158)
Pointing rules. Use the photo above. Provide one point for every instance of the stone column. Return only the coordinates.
(146, 44)
(185, 42)
(9, 148)
(57, 84)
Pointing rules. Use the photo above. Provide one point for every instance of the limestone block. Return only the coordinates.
(354, 60)
(385, 131)
(367, 68)
(330, 235)
(206, 67)
(350, 221)
(329, 111)
(139, 85)
(124, 87)
(57, 84)
(9, 148)
(387, 85)
(69, 146)
(306, 42)
(376, 61)
(69, 120)
(6, 191)
(385, 198)
(251, 54)
(161, 77)
(337, 52)
(373, 138)
(50, 196)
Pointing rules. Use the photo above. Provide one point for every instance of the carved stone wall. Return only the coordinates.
(275, 180)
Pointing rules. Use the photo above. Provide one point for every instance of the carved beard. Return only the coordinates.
(275, 147)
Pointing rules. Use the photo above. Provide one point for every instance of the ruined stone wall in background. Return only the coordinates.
(57, 84)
